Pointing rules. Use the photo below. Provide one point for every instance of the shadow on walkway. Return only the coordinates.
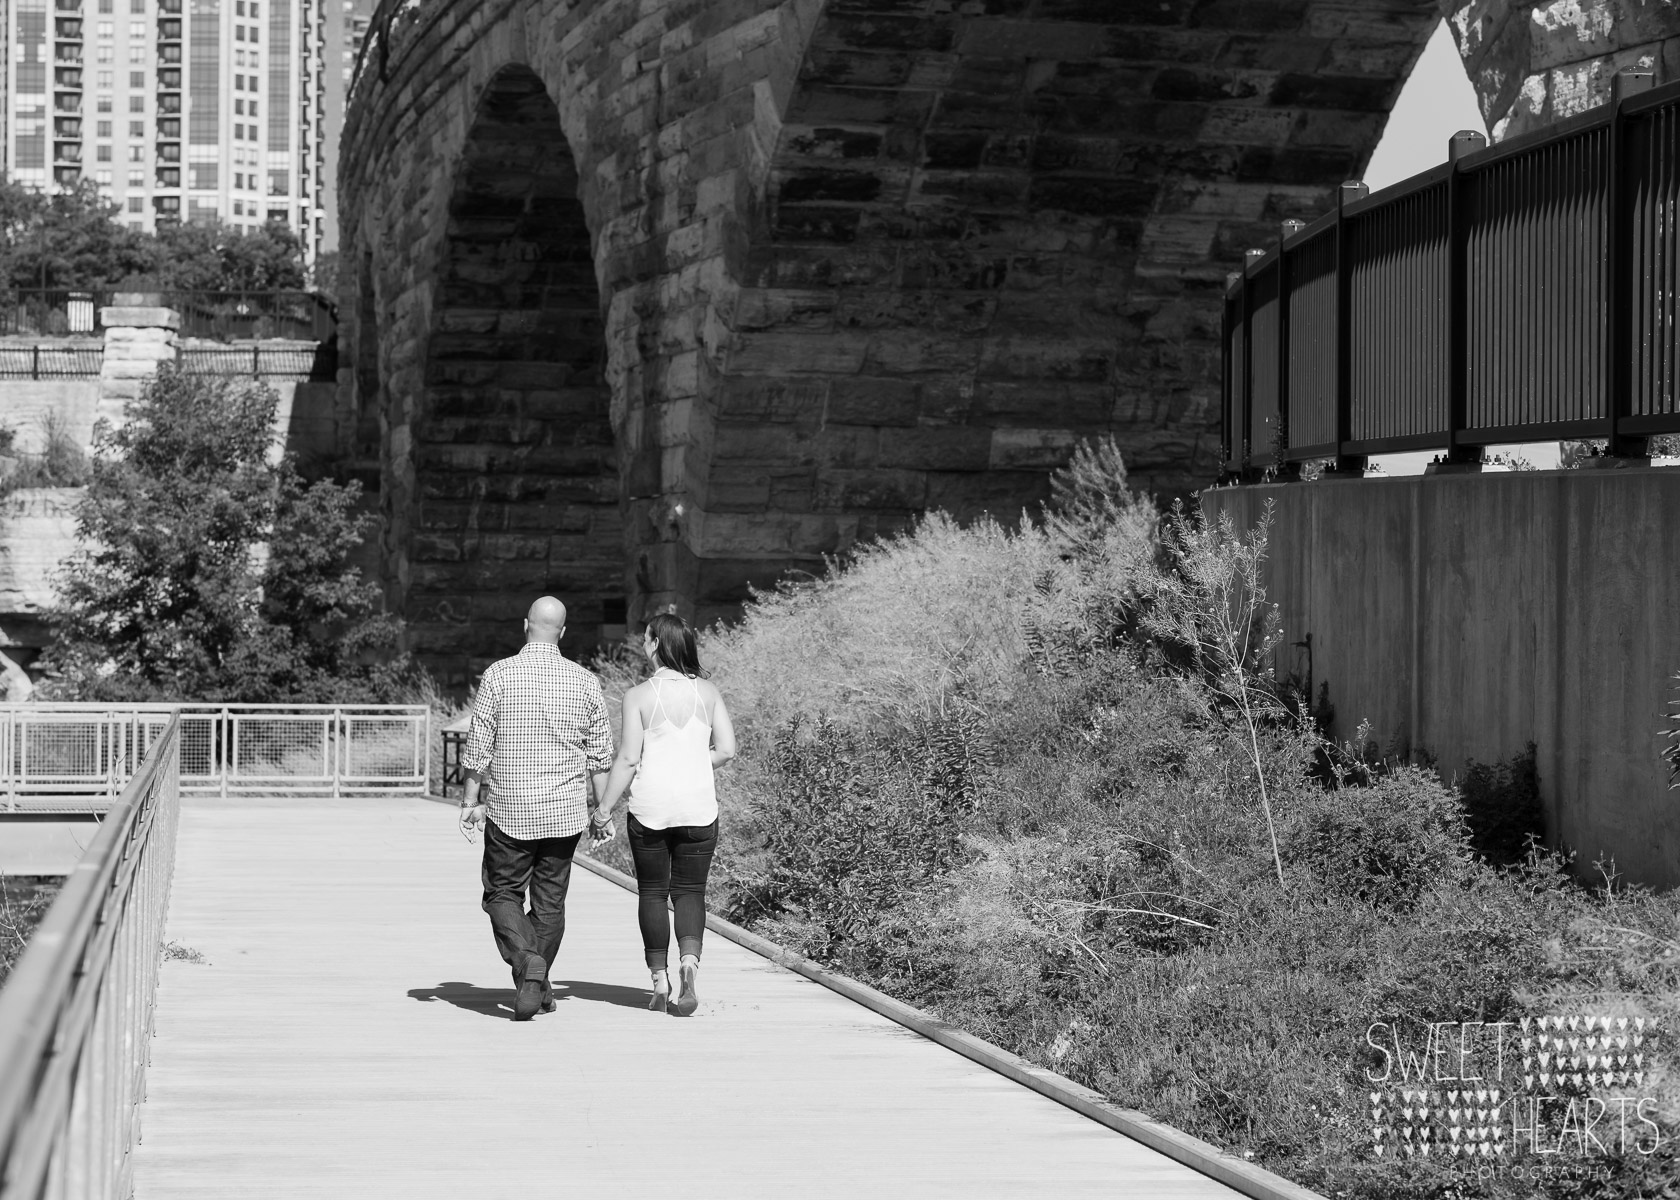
(498, 1002)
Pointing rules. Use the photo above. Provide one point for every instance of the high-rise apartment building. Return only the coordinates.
(180, 109)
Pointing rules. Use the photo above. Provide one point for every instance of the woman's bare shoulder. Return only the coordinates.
(709, 691)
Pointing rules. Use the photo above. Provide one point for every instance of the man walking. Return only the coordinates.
(540, 740)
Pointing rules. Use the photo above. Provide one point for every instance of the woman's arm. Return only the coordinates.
(629, 755)
(723, 731)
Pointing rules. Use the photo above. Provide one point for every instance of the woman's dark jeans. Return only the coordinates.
(671, 862)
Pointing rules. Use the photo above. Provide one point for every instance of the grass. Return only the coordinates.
(24, 900)
(981, 772)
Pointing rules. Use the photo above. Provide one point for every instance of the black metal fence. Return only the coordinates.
(223, 316)
(304, 362)
(50, 362)
(1524, 292)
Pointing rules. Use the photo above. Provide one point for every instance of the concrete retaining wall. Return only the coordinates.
(1469, 615)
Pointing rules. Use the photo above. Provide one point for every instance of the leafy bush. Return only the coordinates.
(1107, 901)
(1502, 807)
(209, 571)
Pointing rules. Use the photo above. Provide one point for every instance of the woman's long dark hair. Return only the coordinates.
(673, 644)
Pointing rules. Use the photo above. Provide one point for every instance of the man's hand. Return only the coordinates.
(601, 829)
(473, 819)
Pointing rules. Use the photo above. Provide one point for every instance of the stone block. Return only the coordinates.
(873, 401)
(842, 490)
(138, 316)
(1012, 449)
(951, 448)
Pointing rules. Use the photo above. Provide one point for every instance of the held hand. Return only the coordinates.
(472, 821)
(601, 829)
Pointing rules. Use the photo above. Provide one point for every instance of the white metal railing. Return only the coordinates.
(76, 757)
(76, 1014)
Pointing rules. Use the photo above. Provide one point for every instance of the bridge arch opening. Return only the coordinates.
(516, 478)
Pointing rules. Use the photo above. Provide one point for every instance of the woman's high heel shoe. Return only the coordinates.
(661, 991)
(687, 1001)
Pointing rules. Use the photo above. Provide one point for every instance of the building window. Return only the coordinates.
(252, 35)
(106, 28)
(136, 154)
(239, 32)
(239, 208)
(203, 176)
(137, 31)
(251, 108)
(137, 79)
(103, 104)
(239, 7)
(137, 226)
(239, 108)
(137, 54)
(137, 104)
(137, 129)
(102, 153)
(138, 7)
(103, 178)
(104, 129)
(102, 54)
(136, 204)
(137, 179)
(103, 78)
(104, 6)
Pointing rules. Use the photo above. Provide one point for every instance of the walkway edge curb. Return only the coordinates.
(1181, 1147)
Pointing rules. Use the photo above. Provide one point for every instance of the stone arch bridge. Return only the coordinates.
(647, 300)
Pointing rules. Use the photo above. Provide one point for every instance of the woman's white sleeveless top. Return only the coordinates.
(673, 784)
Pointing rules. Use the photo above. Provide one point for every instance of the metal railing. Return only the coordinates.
(306, 362)
(51, 362)
(1524, 292)
(76, 757)
(76, 1014)
(222, 316)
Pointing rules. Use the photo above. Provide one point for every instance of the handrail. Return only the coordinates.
(76, 1014)
(68, 757)
(1522, 292)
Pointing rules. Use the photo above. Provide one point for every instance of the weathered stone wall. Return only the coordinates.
(1536, 63)
(853, 259)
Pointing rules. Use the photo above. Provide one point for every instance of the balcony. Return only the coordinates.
(68, 78)
(169, 177)
(67, 103)
(169, 102)
(67, 53)
(169, 31)
(67, 127)
(169, 54)
(67, 152)
(72, 6)
(169, 152)
(170, 128)
(170, 79)
(169, 6)
(68, 30)
(67, 176)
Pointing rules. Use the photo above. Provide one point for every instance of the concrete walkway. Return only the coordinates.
(349, 1034)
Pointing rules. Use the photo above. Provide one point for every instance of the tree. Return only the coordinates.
(70, 239)
(208, 571)
(212, 257)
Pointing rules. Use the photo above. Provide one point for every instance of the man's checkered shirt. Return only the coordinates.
(539, 726)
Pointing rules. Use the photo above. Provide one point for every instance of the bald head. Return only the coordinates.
(546, 621)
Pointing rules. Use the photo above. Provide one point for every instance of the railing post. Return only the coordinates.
(1282, 468)
(35, 362)
(1246, 454)
(1347, 465)
(1459, 456)
(1619, 348)
(1233, 279)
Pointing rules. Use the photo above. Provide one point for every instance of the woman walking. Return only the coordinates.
(675, 730)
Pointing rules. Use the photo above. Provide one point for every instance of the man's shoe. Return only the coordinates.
(549, 1004)
(528, 999)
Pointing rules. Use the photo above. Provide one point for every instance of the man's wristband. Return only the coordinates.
(474, 804)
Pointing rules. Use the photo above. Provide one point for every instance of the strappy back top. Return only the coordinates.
(673, 784)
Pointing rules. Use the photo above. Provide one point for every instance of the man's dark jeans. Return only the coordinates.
(511, 866)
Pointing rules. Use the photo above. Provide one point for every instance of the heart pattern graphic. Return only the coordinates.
(1564, 1056)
